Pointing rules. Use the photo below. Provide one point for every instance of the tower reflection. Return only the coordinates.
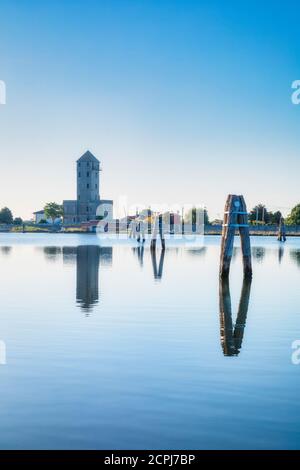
(87, 276)
(88, 259)
(232, 337)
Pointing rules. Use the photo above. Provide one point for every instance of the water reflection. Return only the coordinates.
(69, 255)
(157, 269)
(295, 256)
(232, 337)
(52, 253)
(139, 251)
(280, 253)
(88, 259)
(87, 276)
(258, 253)
(197, 251)
(157, 265)
(6, 250)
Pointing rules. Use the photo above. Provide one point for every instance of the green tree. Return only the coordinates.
(294, 217)
(18, 221)
(53, 211)
(275, 217)
(6, 216)
(259, 214)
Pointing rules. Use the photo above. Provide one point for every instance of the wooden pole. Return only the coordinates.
(158, 228)
(235, 217)
(149, 221)
(281, 230)
(245, 238)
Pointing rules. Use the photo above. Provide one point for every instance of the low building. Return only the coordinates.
(39, 216)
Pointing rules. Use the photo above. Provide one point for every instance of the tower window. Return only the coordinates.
(87, 185)
(87, 208)
(96, 186)
(87, 173)
(79, 174)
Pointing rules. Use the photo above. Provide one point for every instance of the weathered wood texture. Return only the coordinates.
(235, 218)
(158, 228)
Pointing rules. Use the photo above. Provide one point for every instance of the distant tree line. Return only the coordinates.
(260, 215)
(6, 217)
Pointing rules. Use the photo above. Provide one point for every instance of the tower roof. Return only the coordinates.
(88, 157)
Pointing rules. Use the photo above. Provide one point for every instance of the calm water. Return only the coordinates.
(107, 347)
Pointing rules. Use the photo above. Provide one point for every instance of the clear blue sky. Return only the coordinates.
(183, 101)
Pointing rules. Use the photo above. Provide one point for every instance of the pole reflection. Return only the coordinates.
(156, 266)
(280, 253)
(232, 337)
(140, 254)
(158, 270)
(6, 250)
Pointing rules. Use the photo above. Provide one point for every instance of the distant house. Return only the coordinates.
(217, 222)
(40, 215)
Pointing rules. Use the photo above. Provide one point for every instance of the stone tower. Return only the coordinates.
(88, 206)
(88, 191)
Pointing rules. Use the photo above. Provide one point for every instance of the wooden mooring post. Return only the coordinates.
(281, 230)
(158, 228)
(235, 218)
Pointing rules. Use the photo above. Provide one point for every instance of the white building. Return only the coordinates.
(40, 215)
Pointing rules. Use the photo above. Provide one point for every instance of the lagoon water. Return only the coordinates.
(108, 347)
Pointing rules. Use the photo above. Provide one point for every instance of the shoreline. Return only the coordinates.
(253, 233)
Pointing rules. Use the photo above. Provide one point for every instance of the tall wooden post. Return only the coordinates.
(158, 228)
(149, 214)
(235, 217)
(281, 230)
